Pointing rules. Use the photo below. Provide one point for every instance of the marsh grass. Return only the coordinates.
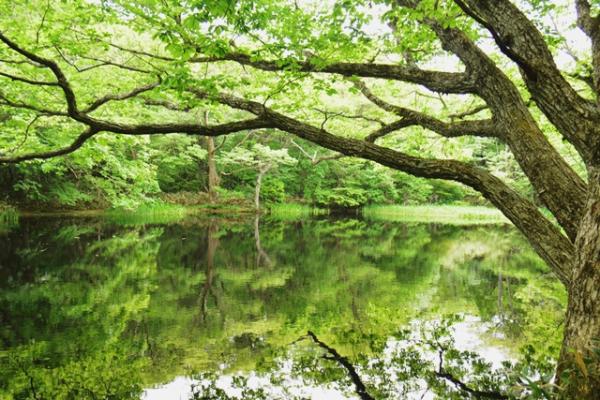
(295, 211)
(450, 215)
(154, 213)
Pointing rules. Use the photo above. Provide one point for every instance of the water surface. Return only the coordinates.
(91, 308)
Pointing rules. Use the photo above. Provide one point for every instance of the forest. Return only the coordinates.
(264, 198)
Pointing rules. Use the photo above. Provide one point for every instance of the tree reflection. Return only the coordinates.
(84, 303)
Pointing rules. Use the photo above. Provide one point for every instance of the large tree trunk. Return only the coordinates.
(579, 364)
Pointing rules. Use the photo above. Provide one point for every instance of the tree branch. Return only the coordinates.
(360, 388)
(26, 80)
(314, 160)
(61, 79)
(76, 144)
(120, 96)
(559, 187)
(166, 104)
(437, 81)
(147, 129)
(389, 128)
(478, 394)
(519, 39)
(482, 128)
(585, 21)
(473, 111)
(42, 111)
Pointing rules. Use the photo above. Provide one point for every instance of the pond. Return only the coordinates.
(102, 308)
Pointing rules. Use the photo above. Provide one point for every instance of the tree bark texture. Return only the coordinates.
(579, 364)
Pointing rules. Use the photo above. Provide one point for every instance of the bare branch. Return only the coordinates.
(314, 160)
(104, 63)
(478, 394)
(167, 104)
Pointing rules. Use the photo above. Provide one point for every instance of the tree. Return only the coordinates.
(297, 54)
(260, 158)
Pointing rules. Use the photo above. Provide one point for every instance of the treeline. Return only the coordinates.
(124, 172)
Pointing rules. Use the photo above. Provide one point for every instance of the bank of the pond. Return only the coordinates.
(445, 214)
(167, 213)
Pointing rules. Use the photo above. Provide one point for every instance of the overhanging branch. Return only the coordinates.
(483, 128)
(437, 81)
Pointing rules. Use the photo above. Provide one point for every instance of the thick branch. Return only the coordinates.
(184, 128)
(585, 20)
(520, 40)
(147, 129)
(437, 81)
(556, 183)
(77, 143)
(591, 26)
(61, 79)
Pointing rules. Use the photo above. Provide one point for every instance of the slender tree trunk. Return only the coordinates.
(213, 175)
(211, 250)
(579, 363)
(261, 254)
(261, 173)
(213, 179)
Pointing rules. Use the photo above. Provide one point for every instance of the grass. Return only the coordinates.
(155, 213)
(444, 214)
(294, 211)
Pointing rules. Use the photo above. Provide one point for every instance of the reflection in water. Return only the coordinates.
(90, 309)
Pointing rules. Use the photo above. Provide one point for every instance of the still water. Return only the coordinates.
(93, 308)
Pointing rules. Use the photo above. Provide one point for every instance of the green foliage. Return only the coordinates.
(273, 190)
(9, 218)
(153, 213)
(294, 211)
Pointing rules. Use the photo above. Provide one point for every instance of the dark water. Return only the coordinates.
(94, 309)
